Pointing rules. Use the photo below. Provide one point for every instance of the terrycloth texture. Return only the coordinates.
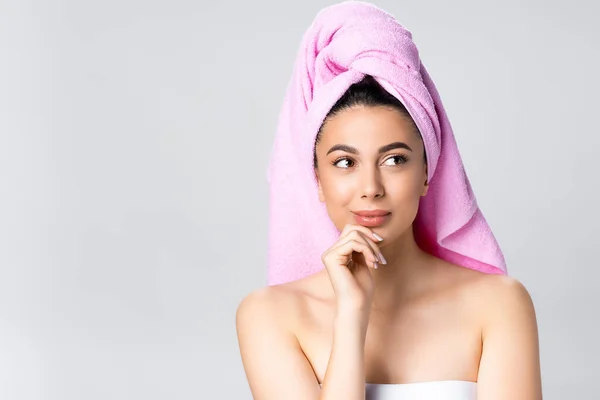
(345, 42)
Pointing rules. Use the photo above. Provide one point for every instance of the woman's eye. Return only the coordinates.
(396, 160)
(343, 163)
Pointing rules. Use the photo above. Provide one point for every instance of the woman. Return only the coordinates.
(386, 314)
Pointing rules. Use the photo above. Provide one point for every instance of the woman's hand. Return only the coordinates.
(348, 261)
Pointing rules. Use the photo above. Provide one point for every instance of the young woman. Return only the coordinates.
(383, 319)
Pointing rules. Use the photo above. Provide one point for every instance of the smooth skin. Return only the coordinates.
(426, 319)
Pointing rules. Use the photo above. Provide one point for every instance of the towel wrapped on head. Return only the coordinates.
(346, 42)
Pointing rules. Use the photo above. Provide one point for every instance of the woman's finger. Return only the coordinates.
(359, 234)
(342, 253)
(368, 232)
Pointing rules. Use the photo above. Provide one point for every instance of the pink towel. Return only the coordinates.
(345, 42)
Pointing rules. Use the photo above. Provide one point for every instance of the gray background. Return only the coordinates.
(134, 139)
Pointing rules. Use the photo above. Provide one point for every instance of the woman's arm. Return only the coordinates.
(510, 360)
(275, 365)
(345, 375)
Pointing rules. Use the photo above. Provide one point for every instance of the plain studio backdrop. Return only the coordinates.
(134, 140)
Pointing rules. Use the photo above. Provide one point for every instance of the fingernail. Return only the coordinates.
(375, 265)
(377, 237)
(383, 260)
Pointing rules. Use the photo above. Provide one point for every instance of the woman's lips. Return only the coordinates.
(371, 220)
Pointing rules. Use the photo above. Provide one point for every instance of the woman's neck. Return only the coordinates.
(404, 274)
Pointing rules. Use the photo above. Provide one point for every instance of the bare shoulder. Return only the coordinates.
(502, 295)
(275, 304)
(510, 340)
(492, 297)
(489, 291)
(273, 360)
(502, 310)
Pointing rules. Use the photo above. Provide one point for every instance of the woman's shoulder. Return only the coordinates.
(493, 296)
(509, 332)
(480, 284)
(283, 303)
(490, 296)
(504, 299)
(267, 300)
(494, 290)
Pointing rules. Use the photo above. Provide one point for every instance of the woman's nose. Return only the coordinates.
(371, 183)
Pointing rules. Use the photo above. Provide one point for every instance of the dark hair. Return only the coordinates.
(369, 93)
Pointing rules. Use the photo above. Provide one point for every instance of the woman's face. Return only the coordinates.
(371, 158)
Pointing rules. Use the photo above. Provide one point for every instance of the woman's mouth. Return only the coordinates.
(371, 218)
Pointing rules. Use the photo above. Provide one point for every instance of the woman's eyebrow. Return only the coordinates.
(383, 149)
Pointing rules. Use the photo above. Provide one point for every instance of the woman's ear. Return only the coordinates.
(426, 185)
(321, 197)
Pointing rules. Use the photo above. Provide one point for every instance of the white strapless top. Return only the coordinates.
(432, 390)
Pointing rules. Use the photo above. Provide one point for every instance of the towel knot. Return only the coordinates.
(360, 41)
